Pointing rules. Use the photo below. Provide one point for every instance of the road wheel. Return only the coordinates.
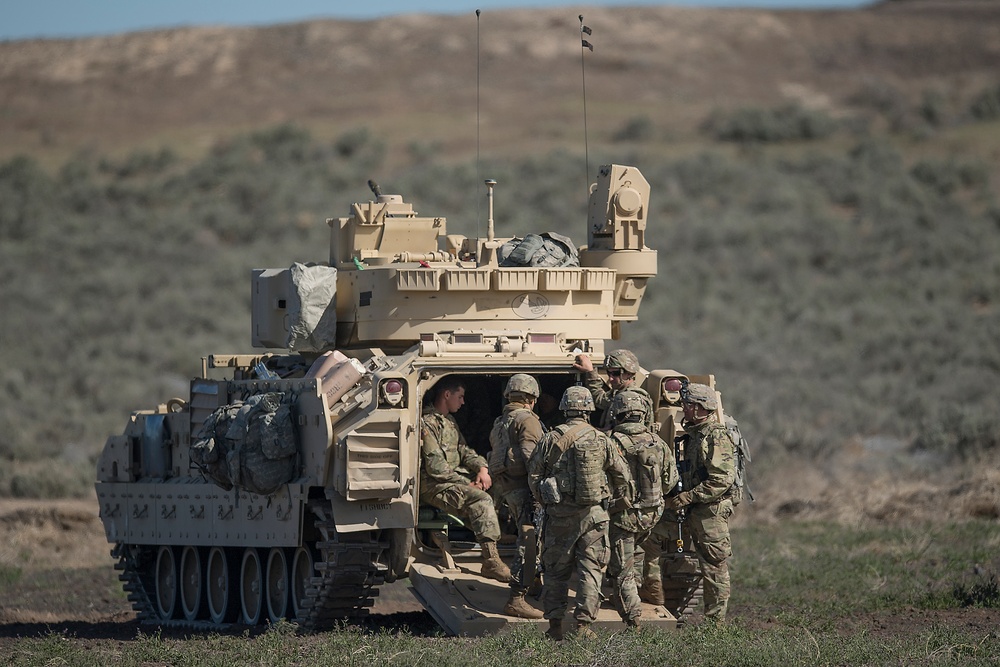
(251, 587)
(303, 570)
(192, 584)
(166, 583)
(277, 584)
(222, 586)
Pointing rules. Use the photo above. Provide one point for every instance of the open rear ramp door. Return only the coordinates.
(466, 604)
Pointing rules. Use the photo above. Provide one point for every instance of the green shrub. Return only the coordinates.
(787, 123)
(638, 128)
(980, 594)
(986, 105)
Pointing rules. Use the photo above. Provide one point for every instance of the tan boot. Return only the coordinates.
(583, 631)
(555, 630)
(651, 591)
(519, 607)
(493, 566)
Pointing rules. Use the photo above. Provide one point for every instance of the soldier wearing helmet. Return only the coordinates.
(621, 367)
(655, 473)
(513, 438)
(708, 473)
(574, 472)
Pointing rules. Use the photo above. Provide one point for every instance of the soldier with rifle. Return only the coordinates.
(513, 438)
(574, 472)
(652, 467)
(708, 474)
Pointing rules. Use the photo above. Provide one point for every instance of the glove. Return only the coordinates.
(680, 500)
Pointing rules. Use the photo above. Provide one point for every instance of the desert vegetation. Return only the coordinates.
(841, 287)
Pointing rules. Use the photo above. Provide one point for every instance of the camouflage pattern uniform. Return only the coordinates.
(655, 474)
(708, 471)
(515, 435)
(575, 534)
(448, 466)
(603, 394)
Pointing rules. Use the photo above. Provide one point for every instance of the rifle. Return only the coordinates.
(538, 518)
(681, 467)
(681, 517)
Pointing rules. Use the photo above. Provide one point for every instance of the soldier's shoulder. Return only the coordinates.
(524, 413)
(432, 419)
(719, 431)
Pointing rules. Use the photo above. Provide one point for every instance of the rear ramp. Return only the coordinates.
(467, 604)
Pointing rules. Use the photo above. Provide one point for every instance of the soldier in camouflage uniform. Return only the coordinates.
(572, 473)
(447, 468)
(708, 472)
(515, 434)
(655, 474)
(621, 366)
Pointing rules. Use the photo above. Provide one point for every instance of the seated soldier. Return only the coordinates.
(454, 478)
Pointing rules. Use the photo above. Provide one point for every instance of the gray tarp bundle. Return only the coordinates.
(250, 445)
(312, 312)
(548, 249)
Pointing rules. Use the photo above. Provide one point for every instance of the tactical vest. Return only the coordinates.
(694, 470)
(645, 459)
(580, 470)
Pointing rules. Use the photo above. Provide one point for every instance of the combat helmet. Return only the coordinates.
(521, 383)
(577, 398)
(701, 394)
(622, 359)
(627, 406)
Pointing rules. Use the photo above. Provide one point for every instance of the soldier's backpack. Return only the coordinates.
(580, 475)
(249, 445)
(504, 457)
(645, 457)
(740, 488)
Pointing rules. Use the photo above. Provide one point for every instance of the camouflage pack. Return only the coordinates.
(740, 488)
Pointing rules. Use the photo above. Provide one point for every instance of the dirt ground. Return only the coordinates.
(67, 583)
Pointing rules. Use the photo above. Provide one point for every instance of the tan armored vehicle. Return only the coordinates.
(286, 484)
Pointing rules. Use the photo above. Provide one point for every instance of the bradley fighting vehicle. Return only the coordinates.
(285, 485)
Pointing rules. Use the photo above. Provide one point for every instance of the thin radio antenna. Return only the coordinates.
(478, 124)
(585, 30)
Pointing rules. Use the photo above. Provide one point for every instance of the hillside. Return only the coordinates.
(413, 78)
(825, 203)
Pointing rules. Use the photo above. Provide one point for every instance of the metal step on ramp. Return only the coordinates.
(467, 604)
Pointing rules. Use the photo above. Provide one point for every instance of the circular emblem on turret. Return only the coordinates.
(530, 306)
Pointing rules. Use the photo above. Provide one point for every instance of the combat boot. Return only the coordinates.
(632, 625)
(518, 606)
(583, 631)
(493, 566)
(651, 591)
(555, 631)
